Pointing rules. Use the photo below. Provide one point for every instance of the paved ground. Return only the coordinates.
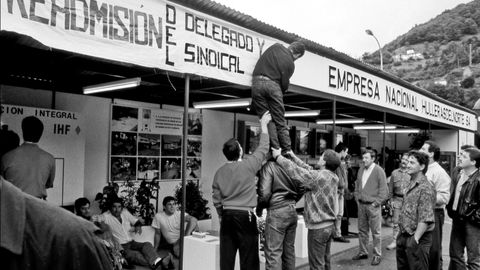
(341, 257)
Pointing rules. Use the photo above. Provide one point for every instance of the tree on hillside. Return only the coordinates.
(470, 27)
(451, 93)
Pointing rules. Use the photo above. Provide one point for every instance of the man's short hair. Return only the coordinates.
(474, 154)
(433, 148)
(297, 47)
(32, 129)
(332, 161)
(372, 153)
(231, 149)
(114, 200)
(167, 200)
(79, 203)
(467, 146)
(340, 147)
(421, 157)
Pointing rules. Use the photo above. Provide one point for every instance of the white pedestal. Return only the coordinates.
(301, 247)
(203, 253)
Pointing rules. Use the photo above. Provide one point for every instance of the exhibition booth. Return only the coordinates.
(59, 56)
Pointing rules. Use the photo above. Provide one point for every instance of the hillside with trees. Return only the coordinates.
(436, 55)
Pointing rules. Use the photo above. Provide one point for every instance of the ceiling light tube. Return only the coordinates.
(111, 86)
(302, 113)
(402, 130)
(239, 102)
(341, 121)
(374, 127)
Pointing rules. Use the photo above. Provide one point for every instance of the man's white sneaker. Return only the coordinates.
(392, 245)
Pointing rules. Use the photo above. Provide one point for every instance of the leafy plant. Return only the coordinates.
(417, 140)
(138, 199)
(195, 205)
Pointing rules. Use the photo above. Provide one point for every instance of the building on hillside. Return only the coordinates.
(411, 54)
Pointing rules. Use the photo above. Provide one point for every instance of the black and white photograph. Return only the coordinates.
(194, 146)
(171, 168)
(253, 139)
(146, 122)
(302, 139)
(148, 144)
(123, 168)
(171, 145)
(194, 168)
(380, 98)
(124, 144)
(148, 168)
(195, 124)
(124, 118)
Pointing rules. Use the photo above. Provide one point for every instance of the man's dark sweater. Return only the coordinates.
(277, 64)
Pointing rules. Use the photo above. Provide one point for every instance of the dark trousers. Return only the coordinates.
(140, 253)
(267, 96)
(435, 257)
(238, 231)
(319, 243)
(464, 235)
(413, 256)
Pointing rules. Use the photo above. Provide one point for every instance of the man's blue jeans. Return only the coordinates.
(319, 242)
(280, 227)
(267, 96)
(464, 235)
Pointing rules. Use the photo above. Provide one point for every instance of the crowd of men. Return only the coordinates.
(272, 178)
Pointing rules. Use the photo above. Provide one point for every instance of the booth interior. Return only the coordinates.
(43, 77)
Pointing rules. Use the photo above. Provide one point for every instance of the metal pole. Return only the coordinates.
(334, 139)
(184, 168)
(381, 54)
(383, 149)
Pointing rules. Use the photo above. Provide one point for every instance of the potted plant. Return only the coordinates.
(138, 199)
(195, 205)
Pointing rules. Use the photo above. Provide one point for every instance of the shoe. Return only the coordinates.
(376, 260)
(392, 245)
(341, 239)
(360, 257)
(162, 263)
(126, 265)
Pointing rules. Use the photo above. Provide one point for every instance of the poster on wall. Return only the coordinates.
(194, 146)
(146, 144)
(171, 168)
(195, 124)
(63, 137)
(194, 168)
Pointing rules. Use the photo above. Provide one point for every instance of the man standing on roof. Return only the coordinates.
(271, 78)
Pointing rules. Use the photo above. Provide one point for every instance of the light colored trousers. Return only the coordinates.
(369, 219)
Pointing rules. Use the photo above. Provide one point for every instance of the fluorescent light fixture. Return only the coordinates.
(111, 86)
(402, 130)
(374, 127)
(341, 121)
(239, 102)
(302, 113)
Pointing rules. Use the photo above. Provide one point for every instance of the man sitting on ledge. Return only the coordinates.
(167, 223)
(120, 222)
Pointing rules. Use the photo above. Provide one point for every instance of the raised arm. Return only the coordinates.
(258, 156)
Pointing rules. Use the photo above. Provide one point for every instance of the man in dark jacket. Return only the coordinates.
(278, 193)
(271, 78)
(464, 209)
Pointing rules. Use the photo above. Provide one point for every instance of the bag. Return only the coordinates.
(387, 209)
